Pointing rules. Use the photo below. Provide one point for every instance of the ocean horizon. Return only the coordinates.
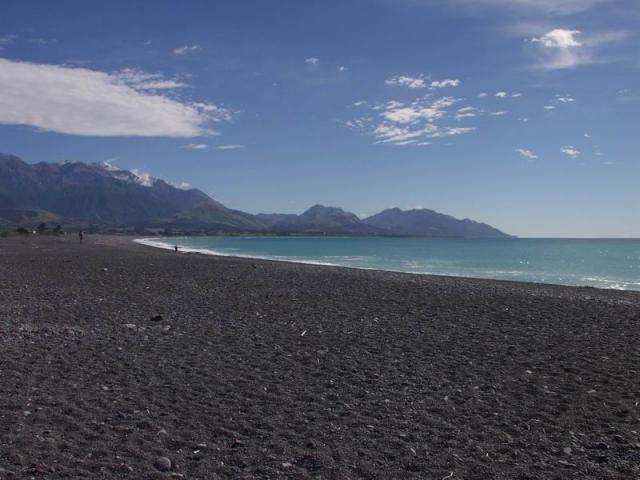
(599, 263)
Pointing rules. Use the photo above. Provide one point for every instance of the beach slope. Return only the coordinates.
(114, 355)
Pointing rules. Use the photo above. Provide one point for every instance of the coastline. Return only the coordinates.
(271, 369)
(164, 244)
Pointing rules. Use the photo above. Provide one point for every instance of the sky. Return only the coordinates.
(519, 113)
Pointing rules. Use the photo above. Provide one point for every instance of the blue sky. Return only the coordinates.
(519, 113)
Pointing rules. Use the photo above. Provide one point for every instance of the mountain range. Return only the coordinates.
(100, 194)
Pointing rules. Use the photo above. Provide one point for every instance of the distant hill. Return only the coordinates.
(320, 220)
(106, 196)
(427, 223)
(17, 217)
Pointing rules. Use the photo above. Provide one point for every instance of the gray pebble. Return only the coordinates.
(163, 464)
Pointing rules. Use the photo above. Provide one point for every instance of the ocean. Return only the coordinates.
(602, 263)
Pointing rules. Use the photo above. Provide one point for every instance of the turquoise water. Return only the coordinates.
(597, 263)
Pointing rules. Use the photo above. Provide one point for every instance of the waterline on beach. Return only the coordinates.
(611, 264)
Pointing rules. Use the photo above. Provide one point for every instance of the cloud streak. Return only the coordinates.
(550, 8)
(229, 147)
(7, 40)
(196, 146)
(184, 50)
(80, 101)
(526, 153)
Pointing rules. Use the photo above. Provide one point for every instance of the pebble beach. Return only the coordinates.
(119, 360)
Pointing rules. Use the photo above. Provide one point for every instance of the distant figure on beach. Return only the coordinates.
(175, 248)
(80, 236)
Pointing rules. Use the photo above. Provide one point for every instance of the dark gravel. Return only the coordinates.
(114, 355)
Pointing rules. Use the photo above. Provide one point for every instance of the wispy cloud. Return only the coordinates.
(414, 123)
(568, 48)
(184, 185)
(79, 101)
(503, 94)
(445, 83)
(7, 40)
(406, 81)
(550, 8)
(196, 146)
(526, 153)
(420, 82)
(573, 152)
(312, 61)
(564, 99)
(186, 49)
(229, 147)
(147, 81)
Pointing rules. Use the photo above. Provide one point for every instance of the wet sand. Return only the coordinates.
(113, 354)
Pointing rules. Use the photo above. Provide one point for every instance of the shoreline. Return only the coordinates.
(155, 242)
(115, 355)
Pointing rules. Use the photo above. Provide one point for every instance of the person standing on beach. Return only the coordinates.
(80, 235)
(175, 247)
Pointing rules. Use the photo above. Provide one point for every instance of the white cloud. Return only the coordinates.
(565, 99)
(563, 48)
(587, 135)
(573, 152)
(559, 38)
(312, 61)
(444, 83)
(196, 146)
(498, 113)
(501, 94)
(414, 123)
(549, 107)
(516, 95)
(483, 94)
(420, 82)
(229, 147)
(359, 103)
(79, 101)
(186, 49)
(342, 68)
(526, 153)
(406, 81)
(559, 49)
(184, 185)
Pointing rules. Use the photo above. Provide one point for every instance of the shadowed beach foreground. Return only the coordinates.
(113, 355)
